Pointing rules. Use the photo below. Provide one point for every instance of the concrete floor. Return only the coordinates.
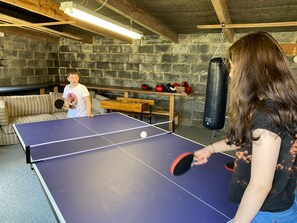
(22, 198)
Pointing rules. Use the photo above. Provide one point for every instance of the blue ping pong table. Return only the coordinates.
(99, 170)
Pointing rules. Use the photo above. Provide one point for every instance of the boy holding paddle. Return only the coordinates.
(76, 97)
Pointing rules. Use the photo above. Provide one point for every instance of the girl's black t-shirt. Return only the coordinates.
(281, 196)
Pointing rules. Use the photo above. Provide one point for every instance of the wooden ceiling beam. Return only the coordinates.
(250, 25)
(37, 24)
(290, 48)
(51, 10)
(42, 7)
(30, 34)
(222, 11)
(28, 25)
(129, 10)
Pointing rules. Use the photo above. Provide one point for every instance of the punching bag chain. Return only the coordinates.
(222, 39)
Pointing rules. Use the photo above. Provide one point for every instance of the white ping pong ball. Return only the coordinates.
(143, 134)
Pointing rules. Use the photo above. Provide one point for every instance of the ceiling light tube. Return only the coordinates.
(79, 12)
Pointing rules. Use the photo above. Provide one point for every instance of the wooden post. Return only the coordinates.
(56, 89)
(171, 112)
(42, 90)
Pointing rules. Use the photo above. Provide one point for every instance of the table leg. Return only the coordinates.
(56, 89)
(171, 112)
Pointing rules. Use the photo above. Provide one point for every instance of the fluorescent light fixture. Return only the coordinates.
(79, 12)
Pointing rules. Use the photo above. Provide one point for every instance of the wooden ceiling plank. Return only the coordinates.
(13, 20)
(250, 25)
(30, 34)
(29, 26)
(42, 7)
(128, 9)
(40, 24)
(222, 11)
(51, 10)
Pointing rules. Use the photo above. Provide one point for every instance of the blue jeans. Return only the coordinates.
(288, 216)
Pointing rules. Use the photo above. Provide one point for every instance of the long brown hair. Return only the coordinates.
(260, 71)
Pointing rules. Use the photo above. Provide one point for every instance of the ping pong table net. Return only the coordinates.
(73, 146)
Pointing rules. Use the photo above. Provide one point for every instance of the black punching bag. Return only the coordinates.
(216, 95)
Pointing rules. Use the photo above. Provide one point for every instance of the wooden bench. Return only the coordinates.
(151, 111)
(125, 106)
(147, 112)
(140, 100)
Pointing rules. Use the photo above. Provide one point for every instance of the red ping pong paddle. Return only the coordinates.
(182, 163)
(59, 103)
(229, 166)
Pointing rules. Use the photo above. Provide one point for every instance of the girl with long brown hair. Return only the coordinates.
(263, 126)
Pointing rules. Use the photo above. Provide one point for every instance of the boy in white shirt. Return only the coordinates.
(76, 97)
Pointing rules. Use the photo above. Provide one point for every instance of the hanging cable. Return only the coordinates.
(222, 39)
(81, 2)
(101, 6)
(131, 24)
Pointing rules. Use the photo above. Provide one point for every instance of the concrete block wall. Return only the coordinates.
(25, 61)
(152, 60)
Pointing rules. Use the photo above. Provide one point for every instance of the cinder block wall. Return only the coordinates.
(25, 61)
(152, 60)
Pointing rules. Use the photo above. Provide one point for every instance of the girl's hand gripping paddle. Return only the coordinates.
(229, 166)
(182, 163)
